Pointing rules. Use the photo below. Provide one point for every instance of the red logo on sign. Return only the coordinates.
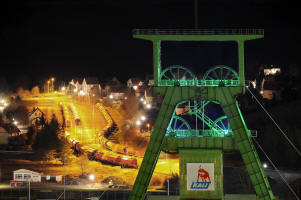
(203, 174)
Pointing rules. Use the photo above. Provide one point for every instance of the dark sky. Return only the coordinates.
(69, 39)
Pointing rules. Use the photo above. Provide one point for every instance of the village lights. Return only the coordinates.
(82, 93)
(63, 88)
(141, 99)
(75, 90)
(135, 87)
(91, 177)
(2, 101)
(148, 125)
(111, 96)
(138, 123)
(143, 118)
(1, 108)
(15, 123)
(148, 106)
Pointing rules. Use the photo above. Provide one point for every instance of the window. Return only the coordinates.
(18, 176)
(27, 176)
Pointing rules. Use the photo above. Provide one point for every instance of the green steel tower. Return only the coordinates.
(200, 149)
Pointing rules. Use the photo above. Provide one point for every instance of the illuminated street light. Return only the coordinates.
(63, 88)
(48, 82)
(138, 123)
(148, 106)
(52, 88)
(82, 93)
(111, 96)
(143, 118)
(1, 108)
(148, 125)
(91, 177)
(75, 90)
(15, 122)
(135, 87)
(2, 101)
(265, 165)
(5, 104)
(141, 99)
(144, 102)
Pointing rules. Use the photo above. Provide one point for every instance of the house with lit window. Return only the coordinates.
(27, 175)
(89, 85)
(35, 116)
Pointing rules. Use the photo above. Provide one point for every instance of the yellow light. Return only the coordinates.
(135, 87)
(52, 79)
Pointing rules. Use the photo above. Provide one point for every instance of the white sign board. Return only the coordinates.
(200, 176)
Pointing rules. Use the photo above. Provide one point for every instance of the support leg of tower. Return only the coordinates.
(154, 147)
(245, 145)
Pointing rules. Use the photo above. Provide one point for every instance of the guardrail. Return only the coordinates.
(204, 133)
(202, 83)
(247, 31)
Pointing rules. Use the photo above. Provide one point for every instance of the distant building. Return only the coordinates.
(27, 175)
(134, 83)
(86, 85)
(35, 116)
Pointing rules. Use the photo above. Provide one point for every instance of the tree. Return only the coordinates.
(35, 91)
(49, 142)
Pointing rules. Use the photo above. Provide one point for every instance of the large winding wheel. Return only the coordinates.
(175, 73)
(222, 76)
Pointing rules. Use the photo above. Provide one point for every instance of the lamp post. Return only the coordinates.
(52, 79)
(48, 82)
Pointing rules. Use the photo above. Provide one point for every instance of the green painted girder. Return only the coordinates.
(172, 95)
(173, 144)
(226, 97)
(198, 34)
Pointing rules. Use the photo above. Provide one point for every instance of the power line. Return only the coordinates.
(291, 143)
(283, 179)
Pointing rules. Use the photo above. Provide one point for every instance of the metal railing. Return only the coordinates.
(202, 83)
(204, 133)
(246, 31)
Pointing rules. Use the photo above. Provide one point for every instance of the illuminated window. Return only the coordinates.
(27, 176)
(18, 176)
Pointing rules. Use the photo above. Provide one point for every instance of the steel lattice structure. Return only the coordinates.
(179, 86)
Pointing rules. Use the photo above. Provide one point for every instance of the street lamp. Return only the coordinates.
(148, 106)
(265, 165)
(91, 177)
(52, 79)
(135, 87)
(147, 125)
(138, 123)
(143, 118)
(48, 85)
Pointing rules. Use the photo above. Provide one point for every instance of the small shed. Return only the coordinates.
(27, 175)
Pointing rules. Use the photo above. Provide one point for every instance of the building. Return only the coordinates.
(27, 175)
(35, 116)
(85, 85)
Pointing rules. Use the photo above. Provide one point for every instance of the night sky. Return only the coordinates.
(69, 39)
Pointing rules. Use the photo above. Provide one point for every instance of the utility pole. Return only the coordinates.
(64, 177)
